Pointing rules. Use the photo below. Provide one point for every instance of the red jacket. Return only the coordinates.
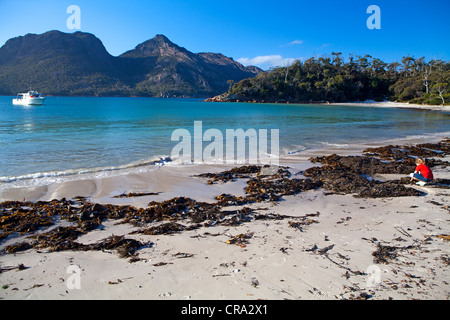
(425, 171)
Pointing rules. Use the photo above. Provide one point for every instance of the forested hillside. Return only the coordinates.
(360, 78)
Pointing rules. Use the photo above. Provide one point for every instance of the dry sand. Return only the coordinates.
(331, 259)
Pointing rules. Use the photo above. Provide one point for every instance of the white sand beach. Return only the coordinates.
(331, 258)
(393, 104)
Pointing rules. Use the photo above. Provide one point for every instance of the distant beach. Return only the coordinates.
(392, 104)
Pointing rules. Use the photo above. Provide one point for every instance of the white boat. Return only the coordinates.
(31, 98)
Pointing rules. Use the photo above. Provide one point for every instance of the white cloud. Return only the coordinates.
(296, 42)
(292, 43)
(266, 62)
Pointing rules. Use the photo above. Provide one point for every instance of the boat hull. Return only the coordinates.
(29, 102)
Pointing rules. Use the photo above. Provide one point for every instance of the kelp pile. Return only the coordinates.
(384, 254)
(159, 218)
(408, 152)
(136, 194)
(231, 175)
(346, 180)
(339, 174)
(27, 218)
(353, 174)
(245, 172)
(260, 187)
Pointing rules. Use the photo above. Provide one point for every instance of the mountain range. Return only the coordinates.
(77, 64)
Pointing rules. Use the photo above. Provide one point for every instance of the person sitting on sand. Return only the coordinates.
(422, 173)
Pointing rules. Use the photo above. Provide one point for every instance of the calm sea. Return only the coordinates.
(69, 136)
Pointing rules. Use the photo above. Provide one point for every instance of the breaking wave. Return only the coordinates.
(54, 176)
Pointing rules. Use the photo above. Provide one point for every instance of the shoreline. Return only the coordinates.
(46, 180)
(367, 103)
(278, 262)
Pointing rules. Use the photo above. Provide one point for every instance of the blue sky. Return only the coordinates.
(266, 33)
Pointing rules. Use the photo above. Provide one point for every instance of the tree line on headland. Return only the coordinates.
(360, 78)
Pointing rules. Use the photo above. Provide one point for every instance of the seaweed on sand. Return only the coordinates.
(136, 194)
(409, 152)
(166, 228)
(304, 221)
(124, 247)
(347, 174)
(58, 239)
(31, 218)
(241, 239)
(232, 174)
(249, 171)
(262, 186)
(386, 254)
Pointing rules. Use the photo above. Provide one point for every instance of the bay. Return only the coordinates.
(72, 135)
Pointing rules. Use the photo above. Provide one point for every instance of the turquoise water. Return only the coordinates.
(72, 135)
